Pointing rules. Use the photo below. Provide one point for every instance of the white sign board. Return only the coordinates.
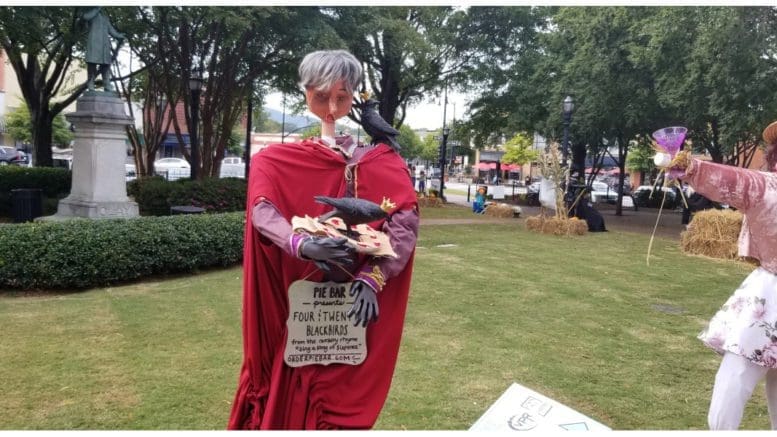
(319, 329)
(498, 191)
(522, 409)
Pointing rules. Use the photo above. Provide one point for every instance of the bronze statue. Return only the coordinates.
(99, 53)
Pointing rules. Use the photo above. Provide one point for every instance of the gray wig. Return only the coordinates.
(321, 69)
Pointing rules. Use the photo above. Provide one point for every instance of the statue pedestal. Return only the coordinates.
(99, 188)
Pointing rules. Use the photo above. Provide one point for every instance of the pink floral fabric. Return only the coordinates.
(747, 323)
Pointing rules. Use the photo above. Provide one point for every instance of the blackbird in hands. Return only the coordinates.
(353, 211)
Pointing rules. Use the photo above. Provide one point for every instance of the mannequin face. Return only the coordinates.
(332, 104)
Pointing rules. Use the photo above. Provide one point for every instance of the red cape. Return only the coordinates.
(270, 394)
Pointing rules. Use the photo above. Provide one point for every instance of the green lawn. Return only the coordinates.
(449, 211)
(577, 319)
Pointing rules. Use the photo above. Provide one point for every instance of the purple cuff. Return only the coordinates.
(295, 241)
(367, 275)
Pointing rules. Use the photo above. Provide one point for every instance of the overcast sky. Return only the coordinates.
(422, 116)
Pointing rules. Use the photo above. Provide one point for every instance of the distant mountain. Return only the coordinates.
(297, 122)
(292, 121)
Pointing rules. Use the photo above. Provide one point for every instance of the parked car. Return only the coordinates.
(601, 192)
(650, 197)
(233, 167)
(172, 168)
(9, 155)
(130, 172)
(533, 194)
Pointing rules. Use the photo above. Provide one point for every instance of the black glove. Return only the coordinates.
(323, 250)
(365, 305)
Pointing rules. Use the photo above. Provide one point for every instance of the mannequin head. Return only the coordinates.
(329, 78)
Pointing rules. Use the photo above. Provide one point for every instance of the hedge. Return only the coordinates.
(155, 195)
(83, 253)
(55, 183)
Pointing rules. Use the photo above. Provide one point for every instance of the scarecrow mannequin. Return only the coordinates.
(282, 184)
(744, 330)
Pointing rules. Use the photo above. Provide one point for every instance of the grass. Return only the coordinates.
(449, 211)
(583, 326)
(461, 192)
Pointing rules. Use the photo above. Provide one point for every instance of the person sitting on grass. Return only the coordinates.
(479, 205)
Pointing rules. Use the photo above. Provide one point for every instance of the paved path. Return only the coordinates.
(641, 221)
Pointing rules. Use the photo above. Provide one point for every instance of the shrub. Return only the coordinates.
(83, 253)
(55, 183)
(156, 195)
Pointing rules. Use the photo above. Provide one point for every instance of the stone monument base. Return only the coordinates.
(99, 188)
(72, 208)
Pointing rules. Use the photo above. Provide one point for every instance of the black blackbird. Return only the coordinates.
(376, 127)
(352, 211)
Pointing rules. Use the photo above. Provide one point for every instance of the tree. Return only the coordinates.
(518, 150)
(641, 156)
(312, 131)
(238, 49)
(41, 44)
(513, 76)
(714, 70)
(408, 52)
(263, 123)
(157, 117)
(20, 128)
(236, 144)
(430, 147)
(410, 142)
(587, 53)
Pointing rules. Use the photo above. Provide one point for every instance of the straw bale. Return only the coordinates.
(713, 233)
(501, 210)
(556, 226)
(429, 201)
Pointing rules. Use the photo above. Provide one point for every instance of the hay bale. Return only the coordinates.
(501, 210)
(556, 226)
(713, 233)
(429, 201)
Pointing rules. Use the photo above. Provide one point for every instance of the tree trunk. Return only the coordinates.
(715, 152)
(41, 138)
(623, 151)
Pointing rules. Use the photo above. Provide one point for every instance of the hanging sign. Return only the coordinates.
(319, 331)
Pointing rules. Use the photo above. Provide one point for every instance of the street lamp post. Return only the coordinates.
(195, 87)
(445, 132)
(567, 106)
(249, 120)
(570, 186)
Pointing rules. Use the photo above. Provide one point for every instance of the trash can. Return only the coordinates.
(26, 204)
(176, 210)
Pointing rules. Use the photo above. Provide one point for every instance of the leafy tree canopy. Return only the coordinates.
(21, 129)
(518, 150)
